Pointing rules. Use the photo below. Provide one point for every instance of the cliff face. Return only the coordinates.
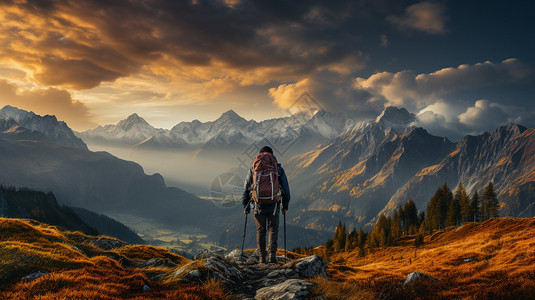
(372, 169)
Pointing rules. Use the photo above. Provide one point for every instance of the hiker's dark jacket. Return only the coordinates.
(283, 186)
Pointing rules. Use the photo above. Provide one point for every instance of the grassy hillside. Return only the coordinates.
(489, 260)
(81, 270)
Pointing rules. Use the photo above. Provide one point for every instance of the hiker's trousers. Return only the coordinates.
(266, 221)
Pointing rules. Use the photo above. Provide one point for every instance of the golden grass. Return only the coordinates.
(494, 259)
(28, 246)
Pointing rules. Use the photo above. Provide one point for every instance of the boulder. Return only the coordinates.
(226, 272)
(417, 276)
(311, 266)
(36, 275)
(235, 256)
(207, 253)
(289, 289)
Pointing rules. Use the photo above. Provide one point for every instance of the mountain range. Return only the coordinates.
(375, 166)
(50, 158)
(341, 169)
(103, 183)
(301, 131)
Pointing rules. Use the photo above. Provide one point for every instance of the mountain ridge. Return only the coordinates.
(55, 130)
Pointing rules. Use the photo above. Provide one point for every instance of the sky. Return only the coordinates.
(461, 66)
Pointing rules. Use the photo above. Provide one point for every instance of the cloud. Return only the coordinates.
(81, 44)
(48, 101)
(483, 115)
(416, 91)
(448, 102)
(428, 17)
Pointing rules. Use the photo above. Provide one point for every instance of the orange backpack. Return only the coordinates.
(265, 187)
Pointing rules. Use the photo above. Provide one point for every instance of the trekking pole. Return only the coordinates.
(244, 230)
(284, 216)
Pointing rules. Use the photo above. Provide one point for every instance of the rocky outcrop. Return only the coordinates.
(289, 289)
(415, 277)
(248, 279)
(311, 266)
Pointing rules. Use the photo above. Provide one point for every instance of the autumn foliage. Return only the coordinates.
(489, 260)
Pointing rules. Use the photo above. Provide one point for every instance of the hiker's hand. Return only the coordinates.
(284, 211)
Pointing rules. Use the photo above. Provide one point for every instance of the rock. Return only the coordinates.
(236, 256)
(36, 275)
(157, 262)
(417, 276)
(311, 266)
(107, 244)
(206, 254)
(283, 259)
(146, 288)
(281, 273)
(219, 269)
(289, 289)
(195, 275)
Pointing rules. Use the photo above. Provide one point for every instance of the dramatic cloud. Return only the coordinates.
(417, 91)
(80, 44)
(49, 101)
(425, 16)
(444, 100)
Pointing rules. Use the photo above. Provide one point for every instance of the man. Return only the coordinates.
(266, 212)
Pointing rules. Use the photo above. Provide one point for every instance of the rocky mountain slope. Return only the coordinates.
(56, 131)
(505, 157)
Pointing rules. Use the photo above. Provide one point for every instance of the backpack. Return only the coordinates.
(265, 187)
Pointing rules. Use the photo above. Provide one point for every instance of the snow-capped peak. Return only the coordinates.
(395, 117)
(11, 112)
(133, 120)
(231, 116)
(49, 125)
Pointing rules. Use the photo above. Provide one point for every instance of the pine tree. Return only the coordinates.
(339, 238)
(464, 203)
(454, 213)
(490, 202)
(475, 207)
(437, 208)
(395, 228)
(411, 217)
(380, 235)
(361, 242)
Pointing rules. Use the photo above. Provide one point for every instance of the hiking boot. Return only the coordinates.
(272, 258)
(262, 259)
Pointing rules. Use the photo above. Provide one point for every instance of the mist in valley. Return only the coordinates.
(184, 169)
